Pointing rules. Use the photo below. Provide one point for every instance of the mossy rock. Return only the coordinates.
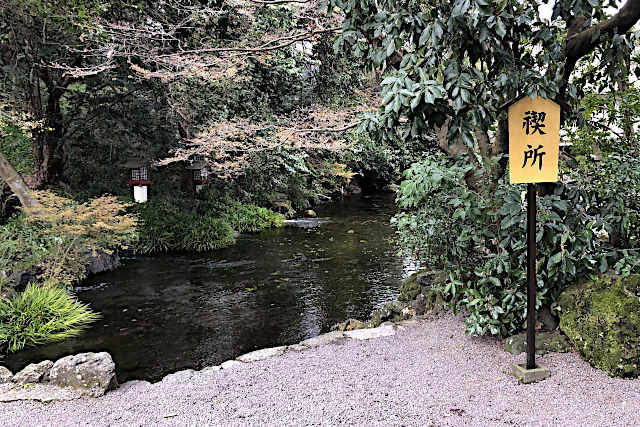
(348, 325)
(418, 283)
(546, 342)
(409, 291)
(602, 319)
(392, 311)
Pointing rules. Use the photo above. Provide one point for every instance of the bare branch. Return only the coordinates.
(265, 47)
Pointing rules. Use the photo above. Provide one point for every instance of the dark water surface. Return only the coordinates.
(164, 313)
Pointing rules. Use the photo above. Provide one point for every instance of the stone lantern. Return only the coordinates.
(196, 175)
(138, 179)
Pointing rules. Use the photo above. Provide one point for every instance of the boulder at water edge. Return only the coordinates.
(418, 296)
(92, 373)
(5, 375)
(602, 319)
(34, 373)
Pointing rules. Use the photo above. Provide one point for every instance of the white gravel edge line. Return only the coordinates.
(384, 330)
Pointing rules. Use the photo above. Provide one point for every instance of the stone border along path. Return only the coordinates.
(429, 374)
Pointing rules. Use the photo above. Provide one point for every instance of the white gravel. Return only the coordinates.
(427, 374)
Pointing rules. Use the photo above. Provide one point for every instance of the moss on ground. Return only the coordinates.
(602, 319)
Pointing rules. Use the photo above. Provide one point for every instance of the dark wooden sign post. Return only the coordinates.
(534, 137)
(532, 189)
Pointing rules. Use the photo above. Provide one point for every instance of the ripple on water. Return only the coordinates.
(167, 312)
(96, 287)
(307, 222)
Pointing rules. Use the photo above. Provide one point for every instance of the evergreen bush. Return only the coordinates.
(479, 239)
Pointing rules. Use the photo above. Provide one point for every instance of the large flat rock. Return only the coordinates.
(93, 373)
(266, 353)
(323, 339)
(367, 334)
(39, 392)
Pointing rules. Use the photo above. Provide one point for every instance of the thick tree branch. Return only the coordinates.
(17, 184)
(286, 41)
(580, 44)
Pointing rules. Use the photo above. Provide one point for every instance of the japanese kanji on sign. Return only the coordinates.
(534, 142)
(534, 138)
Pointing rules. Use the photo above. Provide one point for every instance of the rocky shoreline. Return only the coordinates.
(430, 373)
(417, 301)
(71, 377)
(96, 264)
(93, 374)
(598, 318)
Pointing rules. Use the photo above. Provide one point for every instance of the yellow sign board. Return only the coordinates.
(534, 140)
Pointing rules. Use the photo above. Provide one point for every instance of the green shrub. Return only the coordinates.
(22, 247)
(157, 227)
(56, 241)
(42, 313)
(166, 225)
(381, 160)
(251, 218)
(15, 144)
(480, 239)
(273, 176)
(607, 123)
(206, 234)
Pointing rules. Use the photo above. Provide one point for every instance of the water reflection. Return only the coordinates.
(168, 312)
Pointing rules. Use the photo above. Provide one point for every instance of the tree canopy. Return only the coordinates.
(74, 68)
(454, 65)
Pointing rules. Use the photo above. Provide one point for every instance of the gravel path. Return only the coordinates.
(426, 374)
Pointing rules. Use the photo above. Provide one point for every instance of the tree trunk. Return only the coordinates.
(48, 129)
(16, 183)
(47, 166)
(458, 149)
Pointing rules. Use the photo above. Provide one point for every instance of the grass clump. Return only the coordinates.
(41, 314)
(247, 218)
(166, 225)
(207, 234)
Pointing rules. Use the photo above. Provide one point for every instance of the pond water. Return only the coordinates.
(163, 313)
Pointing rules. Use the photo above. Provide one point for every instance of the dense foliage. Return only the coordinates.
(454, 65)
(609, 124)
(165, 227)
(585, 227)
(16, 146)
(55, 241)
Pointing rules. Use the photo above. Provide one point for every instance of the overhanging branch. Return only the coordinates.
(580, 44)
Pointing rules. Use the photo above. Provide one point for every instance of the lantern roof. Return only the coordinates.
(135, 163)
(196, 165)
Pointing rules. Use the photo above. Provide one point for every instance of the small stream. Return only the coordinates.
(163, 313)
